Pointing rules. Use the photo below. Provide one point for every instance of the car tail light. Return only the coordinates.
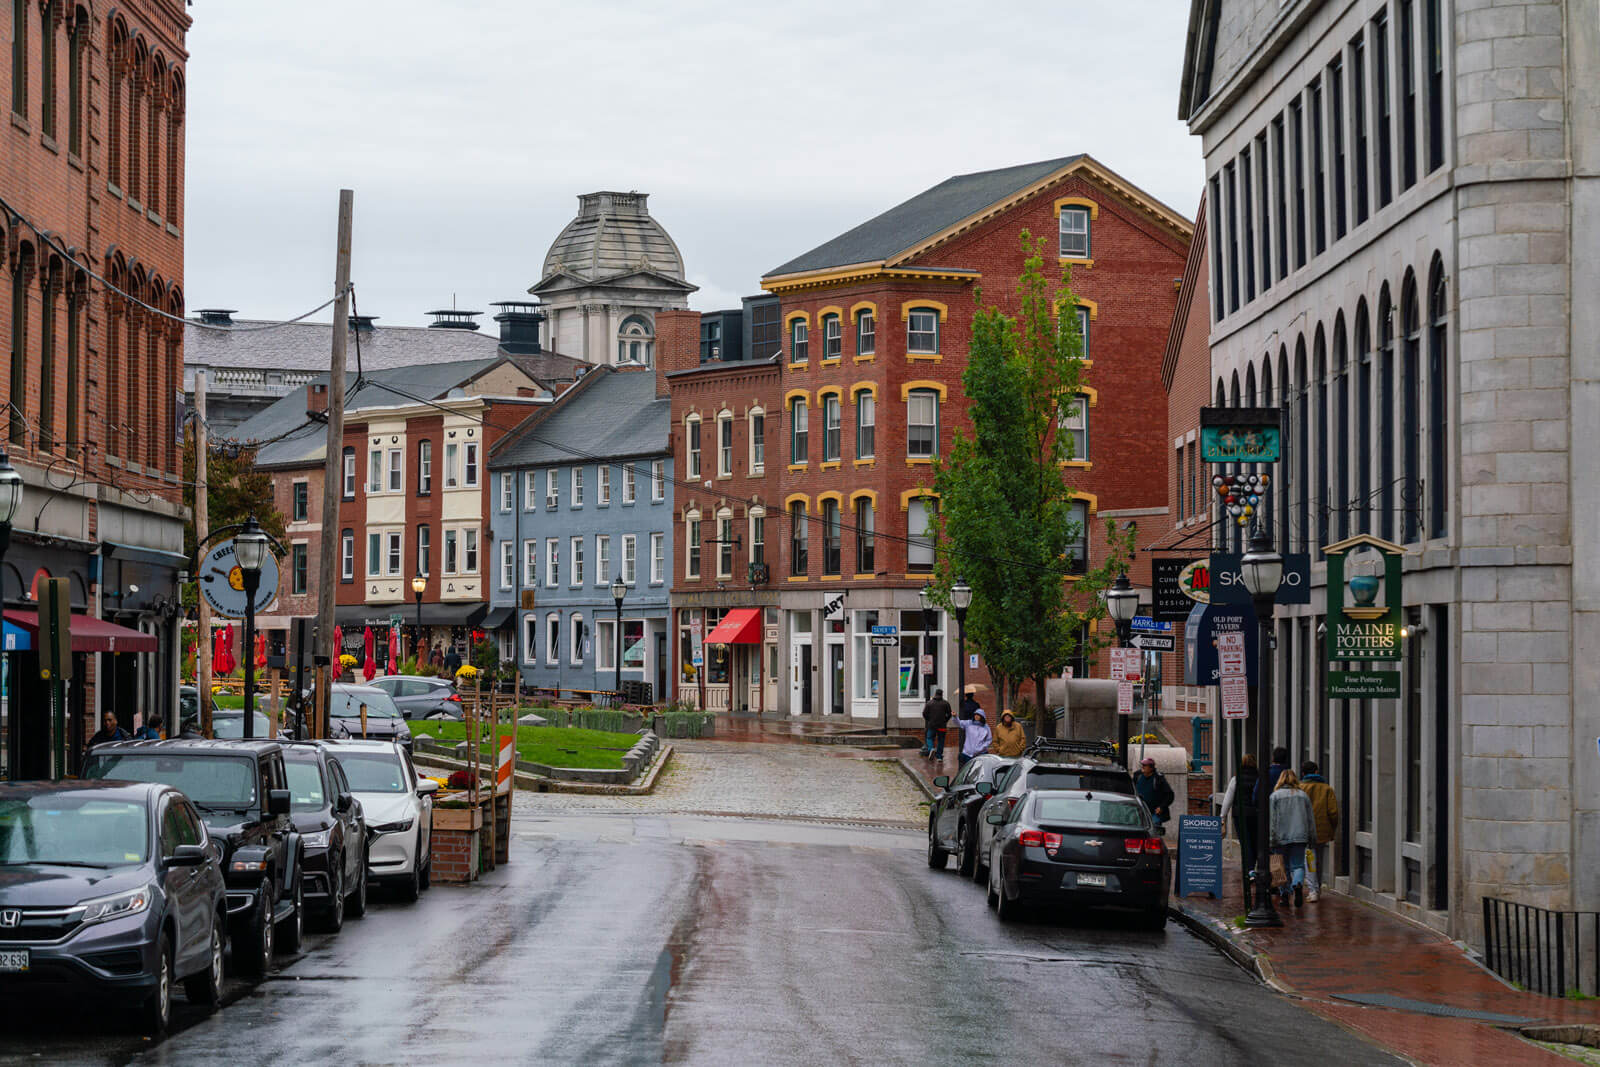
(1134, 844)
(1033, 838)
(1154, 845)
(1051, 843)
(455, 697)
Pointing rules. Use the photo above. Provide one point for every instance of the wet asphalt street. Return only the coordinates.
(617, 937)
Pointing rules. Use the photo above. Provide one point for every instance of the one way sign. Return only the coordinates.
(1153, 642)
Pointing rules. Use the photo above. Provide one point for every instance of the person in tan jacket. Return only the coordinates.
(1009, 740)
(1325, 811)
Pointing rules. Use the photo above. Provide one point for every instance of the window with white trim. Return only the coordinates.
(508, 491)
(577, 487)
(530, 491)
(725, 444)
(922, 423)
(530, 639)
(424, 550)
(725, 543)
(630, 489)
(691, 549)
(349, 474)
(577, 560)
(630, 558)
(922, 516)
(552, 489)
(922, 331)
(392, 552)
(605, 644)
(396, 471)
(1074, 233)
(866, 424)
(830, 428)
(452, 477)
(799, 341)
(799, 539)
(469, 452)
(424, 467)
(832, 337)
(602, 559)
(552, 562)
(603, 487)
(552, 639)
(758, 441)
(375, 470)
(1075, 424)
(347, 555)
(758, 535)
(799, 426)
(508, 564)
(1083, 329)
(866, 334)
(658, 480)
(469, 550)
(692, 445)
(450, 541)
(530, 562)
(576, 629)
(374, 555)
(658, 558)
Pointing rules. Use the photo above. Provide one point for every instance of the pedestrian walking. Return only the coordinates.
(935, 720)
(109, 730)
(1325, 813)
(969, 704)
(150, 731)
(1009, 739)
(1240, 799)
(1156, 792)
(1279, 764)
(452, 661)
(1293, 828)
(975, 737)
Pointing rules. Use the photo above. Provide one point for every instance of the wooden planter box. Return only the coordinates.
(458, 818)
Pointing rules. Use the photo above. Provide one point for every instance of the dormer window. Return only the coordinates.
(636, 340)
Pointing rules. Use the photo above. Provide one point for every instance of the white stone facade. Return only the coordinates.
(1482, 779)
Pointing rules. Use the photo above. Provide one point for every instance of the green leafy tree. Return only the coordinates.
(1005, 504)
(236, 489)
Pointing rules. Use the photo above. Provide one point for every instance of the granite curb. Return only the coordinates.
(1225, 939)
(535, 783)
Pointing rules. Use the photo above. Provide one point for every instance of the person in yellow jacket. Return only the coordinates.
(1009, 740)
(1325, 811)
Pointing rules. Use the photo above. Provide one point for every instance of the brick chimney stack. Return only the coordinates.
(677, 344)
(316, 396)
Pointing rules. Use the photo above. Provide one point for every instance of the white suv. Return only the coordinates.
(398, 806)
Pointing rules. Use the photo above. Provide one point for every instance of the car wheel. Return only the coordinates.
(1156, 918)
(333, 918)
(156, 1011)
(980, 869)
(205, 988)
(1004, 907)
(357, 905)
(411, 888)
(294, 926)
(252, 942)
(425, 882)
(964, 855)
(937, 857)
(992, 897)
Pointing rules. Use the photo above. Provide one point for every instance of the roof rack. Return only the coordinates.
(1102, 749)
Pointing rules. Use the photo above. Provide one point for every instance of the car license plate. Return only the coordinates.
(1095, 881)
(13, 960)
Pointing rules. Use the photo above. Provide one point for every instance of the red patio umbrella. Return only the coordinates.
(225, 661)
(261, 650)
(370, 667)
(394, 651)
(338, 643)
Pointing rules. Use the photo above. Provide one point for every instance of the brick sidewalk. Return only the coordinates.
(1341, 946)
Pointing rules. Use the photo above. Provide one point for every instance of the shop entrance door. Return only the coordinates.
(835, 679)
(800, 682)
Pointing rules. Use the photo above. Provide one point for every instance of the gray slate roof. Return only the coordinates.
(905, 225)
(613, 234)
(618, 414)
(305, 443)
(305, 346)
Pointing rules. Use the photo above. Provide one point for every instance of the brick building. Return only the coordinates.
(877, 324)
(92, 180)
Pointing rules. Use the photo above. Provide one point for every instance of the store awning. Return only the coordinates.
(741, 626)
(497, 617)
(433, 614)
(89, 634)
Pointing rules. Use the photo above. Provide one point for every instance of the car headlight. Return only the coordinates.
(393, 827)
(318, 839)
(101, 909)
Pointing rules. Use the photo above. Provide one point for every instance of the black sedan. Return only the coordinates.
(1081, 848)
(1041, 767)
(383, 719)
(329, 819)
(953, 819)
(109, 888)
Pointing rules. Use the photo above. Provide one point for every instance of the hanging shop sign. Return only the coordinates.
(1194, 582)
(1225, 579)
(1364, 616)
(221, 582)
(1171, 600)
(1240, 435)
(1208, 622)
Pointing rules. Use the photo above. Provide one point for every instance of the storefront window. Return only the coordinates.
(916, 642)
(864, 685)
(633, 644)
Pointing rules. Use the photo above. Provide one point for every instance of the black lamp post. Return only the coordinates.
(960, 601)
(1122, 604)
(926, 596)
(10, 504)
(419, 585)
(250, 551)
(1262, 570)
(619, 589)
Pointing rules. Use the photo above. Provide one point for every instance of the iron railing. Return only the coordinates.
(1555, 953)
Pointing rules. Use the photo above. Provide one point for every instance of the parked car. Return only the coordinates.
(952, 819)
(1079, 847)
(1048, 763)
(241, 791)
(227, 724)
(332, 830)
(418, 697)
(384, 721)
(109, 888)
(398, 806)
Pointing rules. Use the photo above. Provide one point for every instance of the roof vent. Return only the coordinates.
(362, 323)
(520, 322)
(216, 316)
(451, 319)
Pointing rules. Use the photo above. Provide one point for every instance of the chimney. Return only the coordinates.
(520, 325)
(677, 344)
(362, 323)
(216, 316)
(451, 319)
(316, 396)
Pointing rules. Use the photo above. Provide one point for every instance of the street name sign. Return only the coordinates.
(1199, 854)
(882, 630)
(1144, 624)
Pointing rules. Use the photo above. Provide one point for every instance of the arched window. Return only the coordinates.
(1341, 429)
(174, 380)
(116, 59)
(1411, 408)
(1302, 451)
(1385, 419)
(154, 105)
(47, 68)
(19, 57)
(1250, 386)
(116, 319)
(1438, 484)
(1222, 394)
(77, 48)
(127, 427)
(1325, 458)
(154, 330)
(50, 283)
(21, 277)
(136, 105)
(77, 296)
(636, 340)
(174, 136)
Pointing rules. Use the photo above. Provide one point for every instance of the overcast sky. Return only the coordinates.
(468, 129)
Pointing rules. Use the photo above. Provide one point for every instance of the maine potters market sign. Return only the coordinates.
(1364, 616)
(1240, 435)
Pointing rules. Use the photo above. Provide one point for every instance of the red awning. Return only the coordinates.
(89, 634)
(741, 626)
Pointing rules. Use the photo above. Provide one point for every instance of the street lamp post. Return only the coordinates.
(419, 585)
(10, 504)
(926, 596)
(250, 550)
(960, 601)
(1122, 603)
(1262, 570)
(619, 589)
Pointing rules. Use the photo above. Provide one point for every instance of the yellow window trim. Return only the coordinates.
(796, 498)
(1076, 261)
(862, 305)
(911, 494)
(1094, 501)
(797, 466)
(829, 390)
(828, 465)
(831, 361)
(831, 309)
(924, 357)
(863, 387)
(799, 577)
(1093, 306)
(803, 316)
(911, 305)
(793, 394)
(1079, 464)
(795, 368)
(871, 461)
(864, 577)
(869, 494)
(831, 577)
(919, 461)
(868, 358)
(833, 495)
(921, 383)
(1078, 201)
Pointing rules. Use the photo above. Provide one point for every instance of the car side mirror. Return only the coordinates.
(943, 781)
(996, 818)
(187, 856)
(346, 802)
(426, 787)
(984, 789)
(277, 802)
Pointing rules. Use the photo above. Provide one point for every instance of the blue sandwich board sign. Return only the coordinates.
(1199, 855)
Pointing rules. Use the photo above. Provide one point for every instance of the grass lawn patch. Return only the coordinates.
(554, 746)
(235, 700)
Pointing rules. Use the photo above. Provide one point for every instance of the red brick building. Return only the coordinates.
(877, 325)
(727, 521)
(91, 239)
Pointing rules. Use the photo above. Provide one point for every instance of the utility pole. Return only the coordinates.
(202, 530)
(324, 654)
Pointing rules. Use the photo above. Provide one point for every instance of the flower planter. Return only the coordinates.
(467, 819)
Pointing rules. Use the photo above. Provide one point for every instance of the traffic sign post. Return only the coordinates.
(1154, 642)
(1125, 664)
(1235, 697)
(1124, 698)
(885, 641)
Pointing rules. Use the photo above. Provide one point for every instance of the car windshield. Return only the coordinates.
(347, 705)
(209, 781)
(73, 828)
(1082, 811)
(374, 772)
(305, 785)
(1062, 778)
(230, 727)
